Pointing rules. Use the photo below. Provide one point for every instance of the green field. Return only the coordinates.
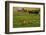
(24, 19)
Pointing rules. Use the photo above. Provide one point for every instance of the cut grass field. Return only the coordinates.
(25, 20)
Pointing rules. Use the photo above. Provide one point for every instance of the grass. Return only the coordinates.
(25, 20)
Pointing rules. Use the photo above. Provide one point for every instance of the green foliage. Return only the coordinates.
(22, 19)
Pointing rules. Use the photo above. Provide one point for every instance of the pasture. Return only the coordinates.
(24, 19)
